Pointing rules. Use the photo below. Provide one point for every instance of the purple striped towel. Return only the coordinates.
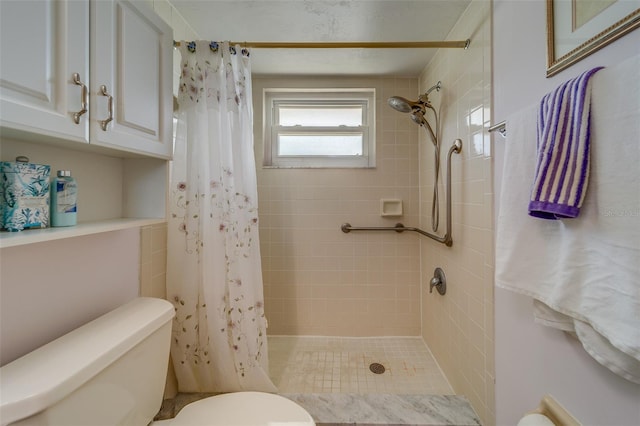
(562, 164)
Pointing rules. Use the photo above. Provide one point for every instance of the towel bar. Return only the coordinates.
(501, 128)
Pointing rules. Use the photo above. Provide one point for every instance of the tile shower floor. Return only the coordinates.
(331, 379)
(302, 364)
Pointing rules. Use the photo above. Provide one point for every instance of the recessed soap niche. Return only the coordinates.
(390, 207)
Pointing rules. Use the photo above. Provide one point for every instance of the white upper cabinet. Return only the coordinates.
(110, 58)
(131, 74)
(65, 68)
(43, 44)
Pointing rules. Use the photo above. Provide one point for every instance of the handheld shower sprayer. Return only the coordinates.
(417, 109)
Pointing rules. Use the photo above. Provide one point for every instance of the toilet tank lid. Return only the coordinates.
(43, 377)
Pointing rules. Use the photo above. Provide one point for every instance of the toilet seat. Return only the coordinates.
(242, 409)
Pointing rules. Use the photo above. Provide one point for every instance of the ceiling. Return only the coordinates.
(327, 21)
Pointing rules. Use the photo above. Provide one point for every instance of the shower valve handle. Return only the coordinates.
(439, 281)
(435, 282)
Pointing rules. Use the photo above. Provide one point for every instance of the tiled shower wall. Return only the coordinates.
(153, 261)
(459, 326)
(317, 279)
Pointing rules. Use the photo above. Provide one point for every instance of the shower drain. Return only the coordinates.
(377, 368)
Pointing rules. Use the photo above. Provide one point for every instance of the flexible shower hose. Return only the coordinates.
(435, 206)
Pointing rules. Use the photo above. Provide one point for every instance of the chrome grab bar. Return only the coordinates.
(446, 239)
(346, 228)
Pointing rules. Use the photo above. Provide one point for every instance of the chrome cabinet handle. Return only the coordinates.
(103, 92)
(84, 98)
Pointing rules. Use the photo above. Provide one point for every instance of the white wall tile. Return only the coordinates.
(301, 213)
(459, 326)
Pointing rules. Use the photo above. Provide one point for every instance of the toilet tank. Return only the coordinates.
(110, 371)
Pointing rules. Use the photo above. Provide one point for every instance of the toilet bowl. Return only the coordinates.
(241, 409)
(112, 371)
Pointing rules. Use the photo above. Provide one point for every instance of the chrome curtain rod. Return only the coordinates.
(446, 239)
(463, 44)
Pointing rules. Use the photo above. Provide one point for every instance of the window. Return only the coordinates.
(319, 128)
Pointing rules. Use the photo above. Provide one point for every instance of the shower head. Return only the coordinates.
(404, 105)
(417, 109)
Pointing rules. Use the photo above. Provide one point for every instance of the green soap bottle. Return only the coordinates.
(64, 200)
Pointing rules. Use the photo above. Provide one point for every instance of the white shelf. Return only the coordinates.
(31, 236)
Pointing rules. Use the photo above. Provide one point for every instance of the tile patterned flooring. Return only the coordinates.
(302, 364)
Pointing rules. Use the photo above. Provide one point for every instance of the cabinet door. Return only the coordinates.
(43, 43)
(131, 71)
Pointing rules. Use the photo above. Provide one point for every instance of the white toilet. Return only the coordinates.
(111, 371)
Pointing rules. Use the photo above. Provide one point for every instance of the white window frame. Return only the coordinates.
(273, 98)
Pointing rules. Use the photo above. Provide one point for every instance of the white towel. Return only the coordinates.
(583, 273)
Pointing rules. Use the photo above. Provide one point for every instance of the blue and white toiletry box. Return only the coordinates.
(24, 195)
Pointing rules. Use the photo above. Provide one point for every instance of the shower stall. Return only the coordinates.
(380, 363)
(338, 302)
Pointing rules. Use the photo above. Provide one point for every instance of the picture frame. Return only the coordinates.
(577, 28)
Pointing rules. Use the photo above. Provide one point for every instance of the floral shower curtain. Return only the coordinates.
(214, 276)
